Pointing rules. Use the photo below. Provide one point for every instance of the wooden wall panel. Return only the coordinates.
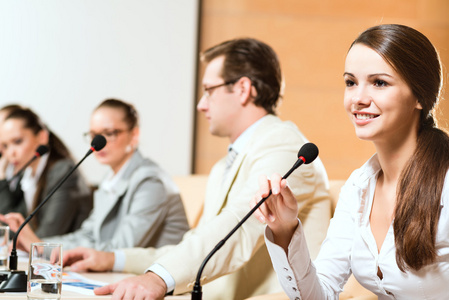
(311, 39)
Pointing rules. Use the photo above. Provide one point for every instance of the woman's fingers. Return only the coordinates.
(280, 205)
(264, 186)
(267, 212)
(275, 183)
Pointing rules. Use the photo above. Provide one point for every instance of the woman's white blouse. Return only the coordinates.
(350, 247)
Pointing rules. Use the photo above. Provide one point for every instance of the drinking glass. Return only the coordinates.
(4, 247)
(45, 271)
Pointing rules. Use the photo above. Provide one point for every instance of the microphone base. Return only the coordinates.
(13, 281)
(197, 293)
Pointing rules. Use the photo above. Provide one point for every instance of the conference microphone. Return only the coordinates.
(41, 150)
(307, 154)
(16, 281)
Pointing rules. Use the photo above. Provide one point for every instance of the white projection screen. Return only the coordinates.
(63, 57)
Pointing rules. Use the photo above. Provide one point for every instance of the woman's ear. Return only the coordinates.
(418, 105)
(135, 133)
(44, 137)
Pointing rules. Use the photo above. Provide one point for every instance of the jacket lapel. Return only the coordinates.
(221, 192)
(105, 201)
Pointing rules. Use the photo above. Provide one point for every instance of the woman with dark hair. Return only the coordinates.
(136, 205)
(390, 227)
(21, 132)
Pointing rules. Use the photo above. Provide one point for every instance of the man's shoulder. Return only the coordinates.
(276, 132)
(274, 125)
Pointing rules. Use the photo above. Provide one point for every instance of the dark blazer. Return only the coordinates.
(64, 211)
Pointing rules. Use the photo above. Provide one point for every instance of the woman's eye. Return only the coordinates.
(349, 82)
(18, 141)
(380, 83)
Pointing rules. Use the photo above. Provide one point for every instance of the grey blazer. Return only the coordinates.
(64, 211)
(145, 209)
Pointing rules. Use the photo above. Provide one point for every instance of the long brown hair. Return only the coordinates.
(421, 183)
(57, 148)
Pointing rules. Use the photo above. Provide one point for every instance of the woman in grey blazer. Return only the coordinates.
(137, 204)
(21, 132)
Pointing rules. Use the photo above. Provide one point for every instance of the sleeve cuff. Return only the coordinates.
(163, 273)
(119, 261)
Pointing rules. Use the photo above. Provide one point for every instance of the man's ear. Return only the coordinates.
(246, 90)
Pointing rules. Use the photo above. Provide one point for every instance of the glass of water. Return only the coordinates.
(45, 271)
(4, 247)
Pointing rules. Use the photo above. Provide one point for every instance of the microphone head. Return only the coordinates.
(41, 150)
(98, 142)
(309, 152)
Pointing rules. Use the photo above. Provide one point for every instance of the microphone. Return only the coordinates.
(16, 281)
(307, 154)
(41, 150)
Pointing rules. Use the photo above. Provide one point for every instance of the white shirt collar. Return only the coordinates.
(113, 179)
(243, 139)
(29, 182)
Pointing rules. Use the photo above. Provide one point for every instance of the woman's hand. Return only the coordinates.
(84, 259)
(26, 236)
(279, 211)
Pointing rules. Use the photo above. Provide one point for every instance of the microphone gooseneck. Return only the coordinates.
(41, 150)
(97, 144)
(307, 154)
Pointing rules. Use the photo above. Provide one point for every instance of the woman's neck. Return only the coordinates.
(393, 157)
(116, 168)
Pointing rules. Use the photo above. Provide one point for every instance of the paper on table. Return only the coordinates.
(74, 282)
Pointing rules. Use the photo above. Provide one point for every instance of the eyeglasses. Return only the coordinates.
(109, 134)
(207, 91)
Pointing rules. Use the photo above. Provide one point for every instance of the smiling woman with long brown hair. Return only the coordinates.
(390, 227)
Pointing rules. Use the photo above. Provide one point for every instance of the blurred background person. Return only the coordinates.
(137, 204)
(4, 111)
(21, 132)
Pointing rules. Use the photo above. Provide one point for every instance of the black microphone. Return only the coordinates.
(16, 281)
(307, 154)
(41, 150)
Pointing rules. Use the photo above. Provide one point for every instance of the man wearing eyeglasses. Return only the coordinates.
(241, 89)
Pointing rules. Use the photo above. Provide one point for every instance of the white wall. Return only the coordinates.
(63, 57)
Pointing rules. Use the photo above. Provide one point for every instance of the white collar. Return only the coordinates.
(113, 179)
(243, 139)
(28, 183)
